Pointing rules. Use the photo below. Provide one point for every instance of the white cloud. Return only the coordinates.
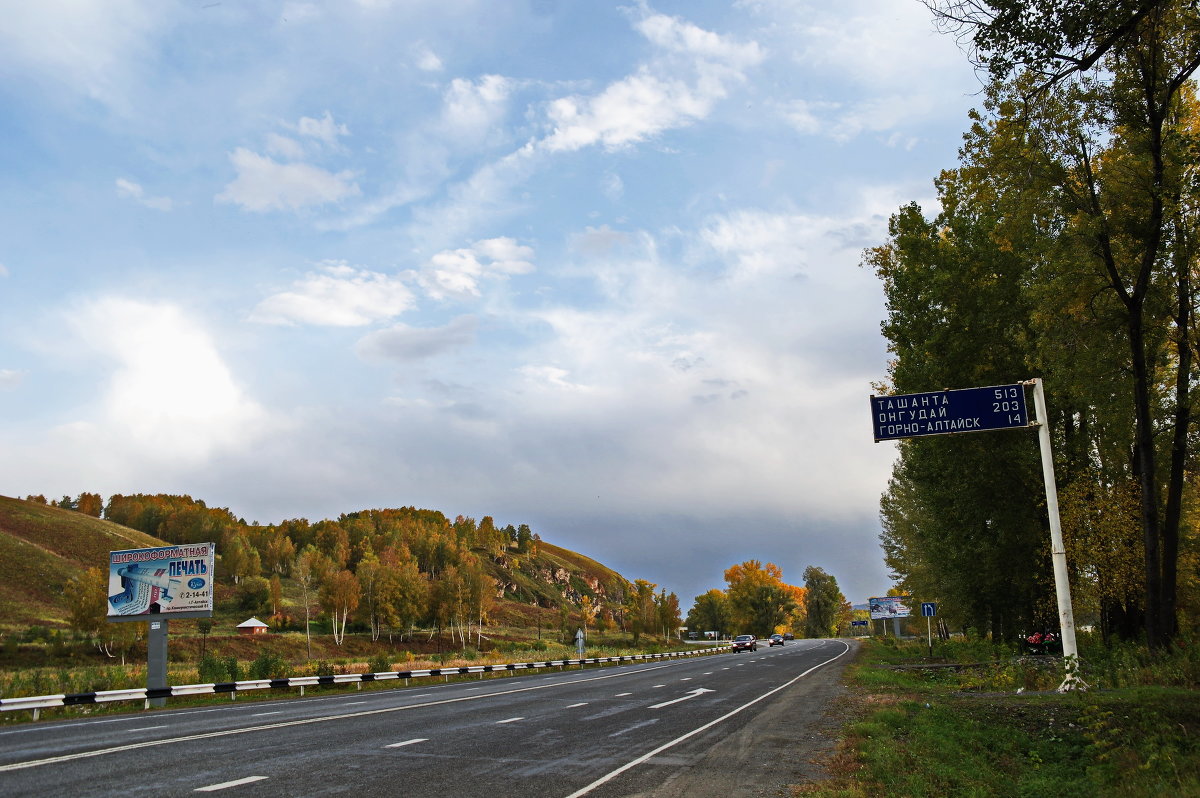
(867, 67)
(337, 296)
(473, 109)
(10, 378)
(427, 60)
(95, 49)
(127, 189)
(3, 270)
(323, 129)
(552, 377)
(612, 187)
(284, 147)
(666, 93)
(168, 395)
(677, 36)
(263, 184)
(458, 273)
(405, 344)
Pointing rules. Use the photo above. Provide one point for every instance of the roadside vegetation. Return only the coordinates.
(985, 721)
(235, 658)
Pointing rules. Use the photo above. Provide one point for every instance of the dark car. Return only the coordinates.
(745, 643)
(788, 636)
(776, 640)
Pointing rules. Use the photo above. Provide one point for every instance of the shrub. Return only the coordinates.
(254, 595)
(380, 663)
(212, 669)
(269, 665)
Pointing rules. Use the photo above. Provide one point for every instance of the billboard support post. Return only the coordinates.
(156, 659)
(1058, 552)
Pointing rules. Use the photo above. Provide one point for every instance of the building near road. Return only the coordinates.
(252, 626)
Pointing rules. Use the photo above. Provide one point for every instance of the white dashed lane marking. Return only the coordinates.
(225, 785)
(413, 741)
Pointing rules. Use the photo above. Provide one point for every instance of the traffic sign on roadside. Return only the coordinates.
(948, 412)
(929, 609)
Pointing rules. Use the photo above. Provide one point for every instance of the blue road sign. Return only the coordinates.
(928, 609)
(948, 412)
(859, 623)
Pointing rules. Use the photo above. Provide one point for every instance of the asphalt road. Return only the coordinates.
(725, 724)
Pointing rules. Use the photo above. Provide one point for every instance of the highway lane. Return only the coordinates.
(612, 731)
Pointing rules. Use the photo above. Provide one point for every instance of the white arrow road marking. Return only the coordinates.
(408, 742)
(697, 692)
(33, 763)
(612, 774)
(227, 784)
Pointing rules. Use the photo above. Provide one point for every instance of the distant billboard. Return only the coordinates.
(884, 607)
(170, 581)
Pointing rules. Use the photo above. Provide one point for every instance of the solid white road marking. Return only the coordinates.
(225, 785)
(116, 749)
(634, 763)
(413, 741)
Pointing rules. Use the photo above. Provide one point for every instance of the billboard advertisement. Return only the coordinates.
(171, 581)
(884, 607)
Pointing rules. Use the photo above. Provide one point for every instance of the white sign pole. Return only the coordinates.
(1058, 552)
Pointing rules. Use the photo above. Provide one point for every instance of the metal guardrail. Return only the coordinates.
(37, 703)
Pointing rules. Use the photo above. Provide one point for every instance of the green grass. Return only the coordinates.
(922, 733)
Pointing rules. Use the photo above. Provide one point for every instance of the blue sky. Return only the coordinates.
(588, 266)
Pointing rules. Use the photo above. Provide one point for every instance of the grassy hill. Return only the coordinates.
(41, 547)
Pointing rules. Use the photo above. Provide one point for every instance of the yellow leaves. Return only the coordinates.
(1102, 532)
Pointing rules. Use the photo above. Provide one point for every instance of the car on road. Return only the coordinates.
(745, 643)
(788, 636)
(776, 640)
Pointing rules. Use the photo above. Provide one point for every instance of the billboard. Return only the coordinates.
(171, 581)
(884, 607)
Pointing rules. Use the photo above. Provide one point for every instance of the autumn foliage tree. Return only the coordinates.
(759, 601)
(1066, 247)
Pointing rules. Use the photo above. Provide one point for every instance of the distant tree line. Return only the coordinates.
(387, 571)
(757, 601)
